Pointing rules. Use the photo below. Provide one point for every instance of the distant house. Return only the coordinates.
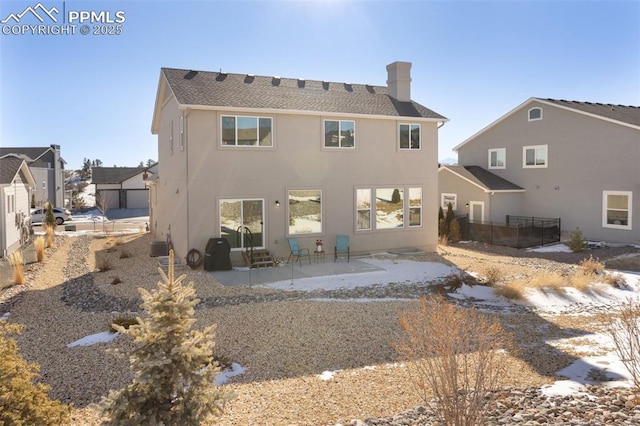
(47, 167)
(256, 160)
(577, 161)
(123, 187)
(16, 181)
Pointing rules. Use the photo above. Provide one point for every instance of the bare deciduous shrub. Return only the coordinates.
(443, 239)
(592, 266)
(513, 290)
(38, 243)
(455, 356)
(17, 266)
(493, 275)
(50, 233)
(625, 332)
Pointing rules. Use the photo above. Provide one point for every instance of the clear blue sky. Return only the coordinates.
(472, 61)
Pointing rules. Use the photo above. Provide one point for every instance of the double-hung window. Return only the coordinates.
(247, 131)
(497, 158)
(616, 209)
(339, 134)
(535, 157)
(410, 136)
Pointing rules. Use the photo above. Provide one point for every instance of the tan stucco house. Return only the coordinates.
(16, 183)
(577, 161)
(257, 159)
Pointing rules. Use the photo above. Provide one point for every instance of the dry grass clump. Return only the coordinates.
(17, 266)
(615, 280)
(592, 266)
(548, 281)
(512, 290)
(50, 233)
(39, 245)
(581, 281)
(456, 355)
(493, 275)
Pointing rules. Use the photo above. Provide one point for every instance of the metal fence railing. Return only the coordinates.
(517, 231)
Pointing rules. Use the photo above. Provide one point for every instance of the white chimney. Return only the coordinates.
(399, 80)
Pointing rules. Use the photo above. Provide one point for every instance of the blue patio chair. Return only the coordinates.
(342, 246)
(297, 252)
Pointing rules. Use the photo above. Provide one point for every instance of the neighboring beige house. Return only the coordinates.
(47, 167)
(123, 187)
(256, 160)
(16, 181)
(577, 161)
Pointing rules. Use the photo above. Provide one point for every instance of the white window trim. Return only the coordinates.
(529, 114)
(258, 146)
(242, 200)
(409, 207)
(454, 205)
(504, 153)
(324, 146)
(535, 147)
(370, 209)
(629, 194)
(420, 141)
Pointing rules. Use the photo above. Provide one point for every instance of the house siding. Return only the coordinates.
(586, 156)
(209, 172)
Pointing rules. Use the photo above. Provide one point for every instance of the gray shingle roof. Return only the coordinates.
(623, 113)
(9, 167)
(31, 153)
(484, 178)
(104, 175)
(249, 91)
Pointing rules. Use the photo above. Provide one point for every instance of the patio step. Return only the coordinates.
(261, 259)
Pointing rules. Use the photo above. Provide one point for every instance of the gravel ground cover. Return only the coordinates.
(285, 340)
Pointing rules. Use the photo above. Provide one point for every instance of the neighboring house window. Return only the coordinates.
(497, 158)
(415, 207)
(534, 156)
(535, 114)
(409, 136)
(182, 132)
(389, 208)
(363, 209)
(305, 211)
(447, 199)
(10, 204)
(246, 131)
(241, 222)
(171, 138)
(339, 134)
(616, 209)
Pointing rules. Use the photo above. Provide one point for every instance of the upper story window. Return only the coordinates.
(409, 136)
(247, 131)
(534, 156)
(616, 209)
(497, 158)
(535, 114)
(339, 134)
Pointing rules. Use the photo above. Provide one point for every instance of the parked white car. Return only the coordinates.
(39, 215)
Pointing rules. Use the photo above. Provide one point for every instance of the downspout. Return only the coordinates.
(186, 153)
